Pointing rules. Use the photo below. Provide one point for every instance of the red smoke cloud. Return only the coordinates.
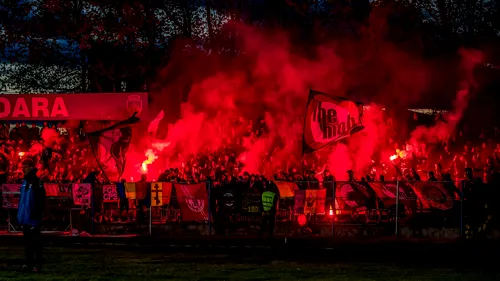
(443, 129)
(50, 137)
(205, 96)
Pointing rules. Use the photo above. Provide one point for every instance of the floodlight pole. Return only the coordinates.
(209, 209)
(397, 208)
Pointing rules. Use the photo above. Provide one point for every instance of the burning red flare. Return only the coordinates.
(393, 157)
(151, 157)
(302, 220)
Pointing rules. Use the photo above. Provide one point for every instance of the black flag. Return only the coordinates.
(329, 120)
(110, 147)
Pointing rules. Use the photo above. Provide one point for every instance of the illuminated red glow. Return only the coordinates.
(302, 220)
(151, 157)
(271, 82)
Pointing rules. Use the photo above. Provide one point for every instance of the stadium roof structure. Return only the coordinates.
(428, 111)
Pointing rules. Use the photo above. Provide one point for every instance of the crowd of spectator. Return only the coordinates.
(69, 159)
(63, 154)
(439, 161)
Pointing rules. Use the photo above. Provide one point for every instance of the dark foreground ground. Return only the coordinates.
(277, 261)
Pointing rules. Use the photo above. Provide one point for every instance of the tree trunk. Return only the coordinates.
(208, 10)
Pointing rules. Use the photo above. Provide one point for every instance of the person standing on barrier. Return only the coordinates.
(268, 206)
(143, 193)
(31, 204)
(97, 197)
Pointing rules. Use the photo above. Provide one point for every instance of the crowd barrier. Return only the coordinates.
(302, 204)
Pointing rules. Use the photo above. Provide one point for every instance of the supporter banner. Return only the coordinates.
(386, 191)
(11, 188)
(350, 196)
(160, 193)
(286, 188)
(82, 194)
(109, 192)
(433, 195)
(141, 188)
(227, 200)
(130, 190)
(97, 106)
(315, 201)
(320, 201)
(329, 120)
(51, 189)
(57, 189)
(64, 190)
(300, 200)
(251, 203)
(193, 201)
(10, 194)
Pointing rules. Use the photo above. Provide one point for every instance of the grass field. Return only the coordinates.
(122, 264)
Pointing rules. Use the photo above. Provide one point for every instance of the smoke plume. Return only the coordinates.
(208, 98)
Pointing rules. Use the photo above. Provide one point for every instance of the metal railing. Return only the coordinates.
(408, 208)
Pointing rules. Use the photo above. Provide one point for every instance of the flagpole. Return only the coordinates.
(397, 208)
(92, 186)
(303, 129)
(98, 163)
(209, 209)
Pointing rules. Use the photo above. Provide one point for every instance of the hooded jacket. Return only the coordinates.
(31, 201)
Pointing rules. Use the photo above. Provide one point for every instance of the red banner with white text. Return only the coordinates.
(101, 106)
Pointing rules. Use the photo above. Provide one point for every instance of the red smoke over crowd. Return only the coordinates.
(247, 109)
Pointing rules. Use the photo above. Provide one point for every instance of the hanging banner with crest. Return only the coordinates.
(350, 197)
(329, 120)
(193, 201)
(387, 192)
(434, 195)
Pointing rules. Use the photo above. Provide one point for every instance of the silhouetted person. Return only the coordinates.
(268, 207)
(432, 177)
(31, 204)
(122, 196)
(34, 133)
(350, 174)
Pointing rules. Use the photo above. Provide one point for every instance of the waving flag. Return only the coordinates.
(329, 120)
(110, 147)
(153, 126)
(286, 189)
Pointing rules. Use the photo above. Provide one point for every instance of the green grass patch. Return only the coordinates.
(115, 264)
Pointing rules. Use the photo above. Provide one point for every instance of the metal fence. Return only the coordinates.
(400, 208)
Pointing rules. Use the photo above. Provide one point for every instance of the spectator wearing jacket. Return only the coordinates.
(31, 204)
